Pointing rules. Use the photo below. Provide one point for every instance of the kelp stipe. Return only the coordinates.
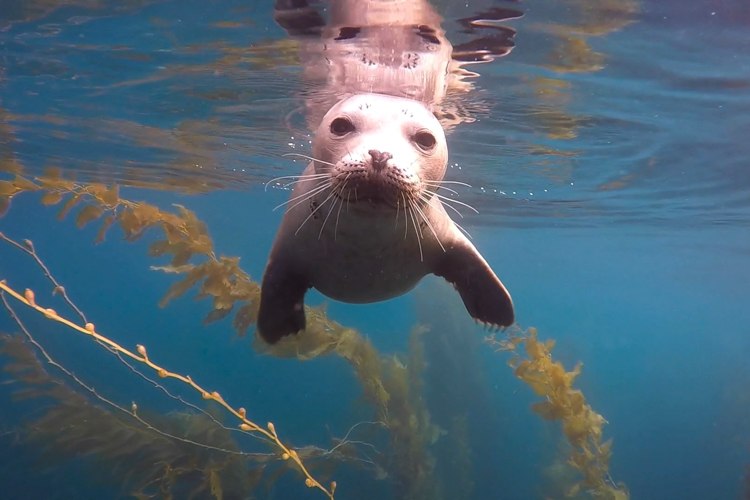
(581, 425)
(140, 356)
(140, 462)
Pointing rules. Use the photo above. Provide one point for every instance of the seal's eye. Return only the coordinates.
(341, 126)
(425, 140)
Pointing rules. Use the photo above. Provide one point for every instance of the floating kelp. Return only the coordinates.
(572, 52)
(581, 425)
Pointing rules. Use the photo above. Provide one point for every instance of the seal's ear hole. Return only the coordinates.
(341, 126)
(425, 140)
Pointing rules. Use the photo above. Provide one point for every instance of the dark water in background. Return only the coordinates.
(609, 161)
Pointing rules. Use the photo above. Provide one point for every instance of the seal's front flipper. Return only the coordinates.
(282, 307)
(483, 293)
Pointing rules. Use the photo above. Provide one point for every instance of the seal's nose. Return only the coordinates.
(379, 159)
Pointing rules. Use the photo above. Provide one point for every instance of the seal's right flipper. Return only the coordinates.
(282, 306)
(484, 295)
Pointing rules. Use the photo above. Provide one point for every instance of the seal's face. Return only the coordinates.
(387, 152)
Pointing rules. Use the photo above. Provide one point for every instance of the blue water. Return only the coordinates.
(609, 162)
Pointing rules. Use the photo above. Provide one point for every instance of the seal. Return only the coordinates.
(366, 222)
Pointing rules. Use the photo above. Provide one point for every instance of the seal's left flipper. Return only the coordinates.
(483, 293)
(282, 307)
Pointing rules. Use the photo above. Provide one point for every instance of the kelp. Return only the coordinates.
(186, 241)
(461, 462)
(571, 52)
(143, 463)
(385, 380)
(581, 425)
(412, 430)
(267, 434)
(391, 385)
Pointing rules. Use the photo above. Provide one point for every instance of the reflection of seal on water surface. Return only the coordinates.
(365, 221)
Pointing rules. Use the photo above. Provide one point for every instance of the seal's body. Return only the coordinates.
(365, 222)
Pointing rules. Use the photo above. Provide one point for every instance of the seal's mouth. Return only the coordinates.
(377, 181)
(377, 192)
(369, 198)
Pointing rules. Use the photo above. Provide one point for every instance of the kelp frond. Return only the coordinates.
(144, 463)
(185, 240)
(393, 387)
(581, 425)
(141, 356)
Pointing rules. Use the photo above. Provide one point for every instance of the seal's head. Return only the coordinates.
(383, 150)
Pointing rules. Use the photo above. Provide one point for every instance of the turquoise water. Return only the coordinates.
(608, 155)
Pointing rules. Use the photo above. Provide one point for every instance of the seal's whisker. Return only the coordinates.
(429, 225)
(468, 235)
(306, 196)
(299, 178)
(447, 200)
(440, 183)
(437, 185)
(303, 198)
(297, 182)
(419, 226)
(416, 233)
(330, 210)
(398, 208)
(454, 209)
(443, 187)
(338, 214)
(320, 186)
(424, 198)
(309, 158)
(314, 211)
(406, 224)
(291, 183)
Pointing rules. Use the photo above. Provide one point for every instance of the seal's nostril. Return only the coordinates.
(379, 158)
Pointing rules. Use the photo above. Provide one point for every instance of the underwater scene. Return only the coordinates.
(267, 249)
